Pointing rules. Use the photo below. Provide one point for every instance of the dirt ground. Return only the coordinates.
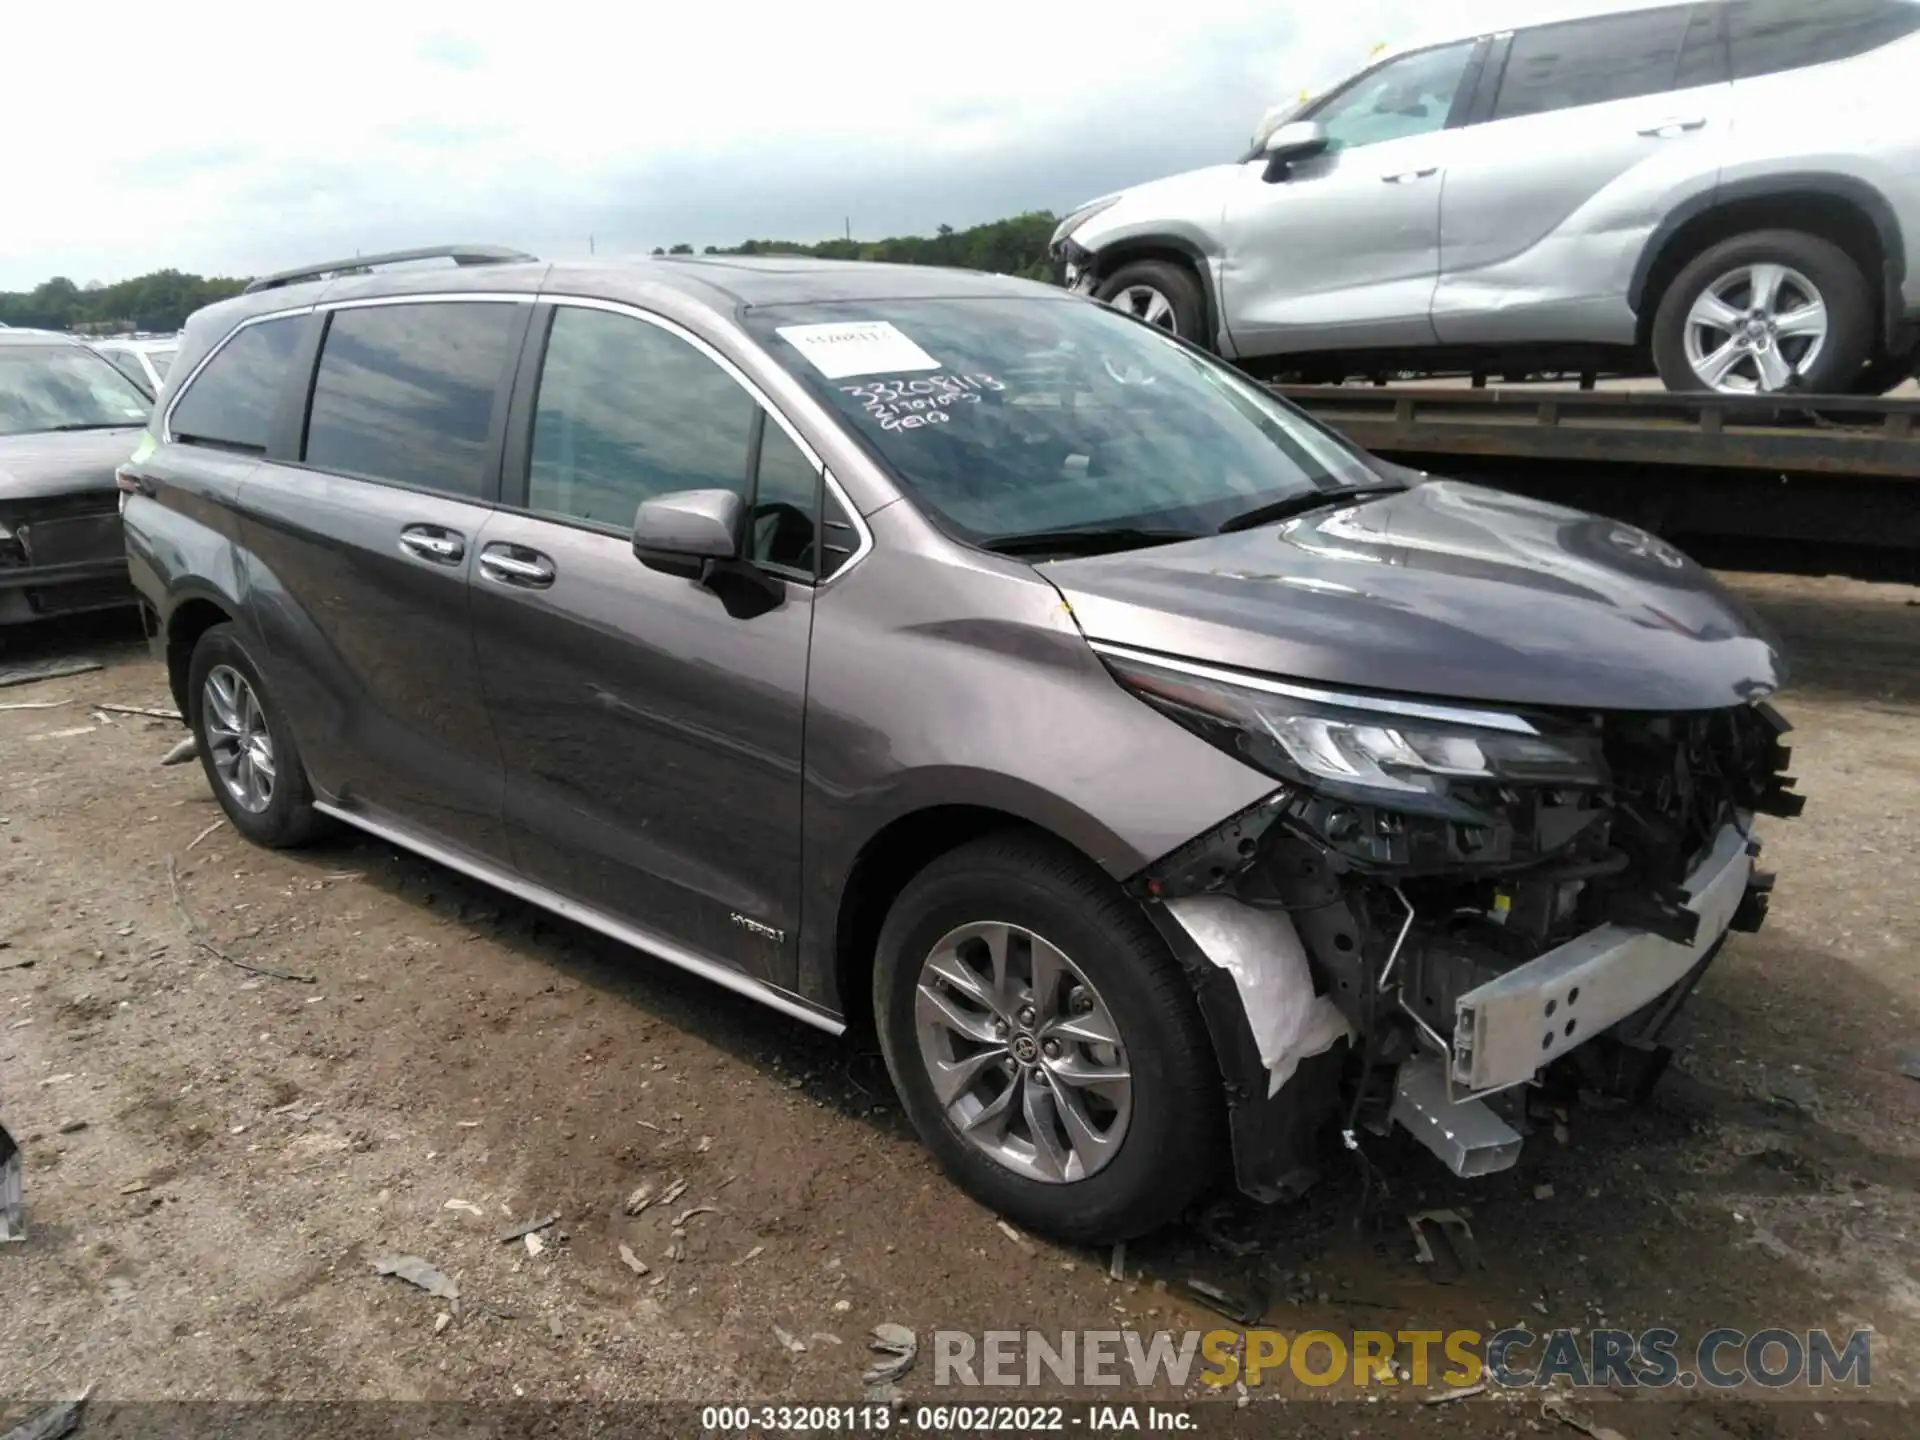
(214, 1156)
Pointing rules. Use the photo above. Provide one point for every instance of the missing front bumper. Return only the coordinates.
(1507, 1030)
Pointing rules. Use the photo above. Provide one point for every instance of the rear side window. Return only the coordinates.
(231, 401)
(1589, 62)
(627, 411)
(1768, 36)
(406, 393)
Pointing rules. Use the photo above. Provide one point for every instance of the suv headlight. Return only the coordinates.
(1080, 217)
(1457, 764)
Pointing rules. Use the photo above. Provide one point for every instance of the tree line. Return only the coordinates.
(160, 301)
(164, 299)
(1014, 246)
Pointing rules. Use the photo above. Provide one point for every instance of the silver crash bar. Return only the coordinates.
(1508, 1029)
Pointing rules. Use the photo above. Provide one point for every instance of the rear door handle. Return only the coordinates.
(516, 565)
(1669, 129)
(1407, 177)
(434, 543)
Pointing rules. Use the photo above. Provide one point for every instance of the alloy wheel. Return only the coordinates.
(238, 740)
(1024, 1056)
(1756, 329)
(1143, 302)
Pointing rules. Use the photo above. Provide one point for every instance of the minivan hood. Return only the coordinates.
(33, 467)
(1447, 590)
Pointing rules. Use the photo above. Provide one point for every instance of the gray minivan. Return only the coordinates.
(1167, 781)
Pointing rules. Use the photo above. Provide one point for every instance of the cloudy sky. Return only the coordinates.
(230, 139)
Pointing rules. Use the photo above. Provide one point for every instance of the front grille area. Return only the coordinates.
(60, 529)
(44, 600)
(15, 513)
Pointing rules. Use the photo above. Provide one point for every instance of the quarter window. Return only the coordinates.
(231, 401)
(129, 365)
(1409, 96)
(1768, 36)
(786, 502)
(1590, 62)
(406, 393)
(628, 411)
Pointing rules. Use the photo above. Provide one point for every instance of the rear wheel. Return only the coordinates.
(1765, 313)
(1160, 293)
(246, 747)
(1045, 1044)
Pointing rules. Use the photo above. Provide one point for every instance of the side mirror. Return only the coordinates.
(1301, 140)
(689, 531)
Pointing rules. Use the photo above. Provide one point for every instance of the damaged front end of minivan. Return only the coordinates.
(1441, 906)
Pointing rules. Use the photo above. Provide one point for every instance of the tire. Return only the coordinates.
(1169, 1149)
(1812, 264)
(288, 817)
(1161, 293)
(1883, 374)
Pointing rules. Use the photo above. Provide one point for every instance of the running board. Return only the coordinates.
(527, 890)
(1468, 1137)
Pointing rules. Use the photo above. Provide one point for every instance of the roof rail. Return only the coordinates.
(459, 254)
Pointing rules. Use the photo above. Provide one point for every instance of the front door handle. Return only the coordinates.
(516, 565)
(1671, 129)
(432, 542)
(1407, 177)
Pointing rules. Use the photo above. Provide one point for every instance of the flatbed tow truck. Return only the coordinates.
(1803, 484)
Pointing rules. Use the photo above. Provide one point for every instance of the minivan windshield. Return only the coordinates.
(1016, 417)
(64, 387)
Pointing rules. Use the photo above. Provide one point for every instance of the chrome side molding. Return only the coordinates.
(534, 894)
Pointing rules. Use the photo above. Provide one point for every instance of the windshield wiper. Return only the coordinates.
(92, 425)
(1295, 505)
(1084, 542)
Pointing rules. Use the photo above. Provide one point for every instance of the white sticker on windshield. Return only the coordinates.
(856, 347)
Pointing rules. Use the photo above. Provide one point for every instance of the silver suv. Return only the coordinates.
(1726, 192)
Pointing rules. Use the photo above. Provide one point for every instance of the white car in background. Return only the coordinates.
(143, 361)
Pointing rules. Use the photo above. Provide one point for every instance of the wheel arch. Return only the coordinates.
(1174, 249)
(1843, 209)
(886, 864)
(192, 615)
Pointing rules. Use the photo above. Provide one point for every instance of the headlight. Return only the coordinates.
(1450, 763)
(1080, 217)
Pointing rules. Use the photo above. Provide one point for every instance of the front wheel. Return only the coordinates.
(1765, 313)
(1045, 1044)
(1161, 293)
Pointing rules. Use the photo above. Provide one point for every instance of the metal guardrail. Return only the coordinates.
(1810, 434)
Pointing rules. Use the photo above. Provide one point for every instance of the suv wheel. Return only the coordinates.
(246, 747)
(1772, 311)
(1045, 1043)
(1160, 293)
